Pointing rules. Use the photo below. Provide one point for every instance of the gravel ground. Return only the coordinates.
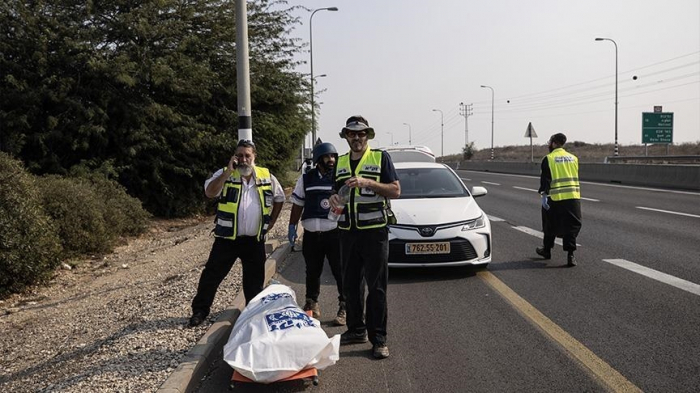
(115, 323)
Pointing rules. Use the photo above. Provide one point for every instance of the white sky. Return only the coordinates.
(394, 61)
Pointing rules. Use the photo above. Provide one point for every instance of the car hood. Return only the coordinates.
(430, 211)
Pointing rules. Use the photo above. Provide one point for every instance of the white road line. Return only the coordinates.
(669, 212)
(464, 178)
(539, 234)
(494, 218)
(526, 189)
(656, 275)
(533, 190)
(488, 182)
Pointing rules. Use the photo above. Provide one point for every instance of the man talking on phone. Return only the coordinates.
(250, 200)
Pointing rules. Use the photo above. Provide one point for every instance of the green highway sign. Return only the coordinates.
(657, 127)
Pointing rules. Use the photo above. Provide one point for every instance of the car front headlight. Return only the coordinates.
(474, 224)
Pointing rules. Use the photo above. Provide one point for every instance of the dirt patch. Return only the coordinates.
(116, 322)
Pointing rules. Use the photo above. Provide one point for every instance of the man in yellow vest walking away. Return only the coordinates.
(561, 199)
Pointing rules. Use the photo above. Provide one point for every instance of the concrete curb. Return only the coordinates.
(196, 363)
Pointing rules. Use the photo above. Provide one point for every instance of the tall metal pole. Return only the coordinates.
(615, 43)
(409, 132)
(392, 137)
(442, 132)
(466, 111)
(245, 120)
(492, 97)
(311, 64)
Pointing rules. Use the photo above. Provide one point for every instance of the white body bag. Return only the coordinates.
(274, 339)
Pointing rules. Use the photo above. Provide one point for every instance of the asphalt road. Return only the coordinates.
(627, 318)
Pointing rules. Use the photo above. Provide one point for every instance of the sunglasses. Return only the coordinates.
(355, 134)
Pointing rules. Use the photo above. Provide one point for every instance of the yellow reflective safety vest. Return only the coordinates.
(564, 169)
(365, 209)
(229, 203)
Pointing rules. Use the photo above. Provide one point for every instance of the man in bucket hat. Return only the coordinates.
(364, 237)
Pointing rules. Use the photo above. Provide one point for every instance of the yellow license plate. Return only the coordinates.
(427, 248)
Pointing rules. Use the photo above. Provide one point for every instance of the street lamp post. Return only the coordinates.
(409, 132)
(311, 64)
(392, 137)
(442, 132)
(615, 43)
(492, 95)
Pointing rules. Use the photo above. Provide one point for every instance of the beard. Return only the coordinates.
(245, 169)
(327, 167)
(357, 146)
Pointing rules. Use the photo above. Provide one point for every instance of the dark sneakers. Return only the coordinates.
(545, 253)
(197, 319)
(312, 305)
(380, 351)
(570, 260)
(353, 338)
(341, 317)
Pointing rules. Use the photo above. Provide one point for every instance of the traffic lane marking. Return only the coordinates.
(656, 275)
(539, 234)
(525, 189)
(492, 183)
(668, 211)
(608, 376)
(594, 183)
(464, 178)
(494, 218)
(533, 190)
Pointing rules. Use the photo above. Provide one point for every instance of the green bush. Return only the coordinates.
(123, 214)
(29, 246)
(78, 214)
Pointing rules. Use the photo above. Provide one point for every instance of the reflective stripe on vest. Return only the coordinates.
(564, 169)
(229, 203)
(366, 209)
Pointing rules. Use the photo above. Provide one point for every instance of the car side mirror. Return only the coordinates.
(478, 191)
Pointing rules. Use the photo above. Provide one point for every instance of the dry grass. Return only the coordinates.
(584, 151)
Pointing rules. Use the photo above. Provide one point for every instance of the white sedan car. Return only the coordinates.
(438, 222)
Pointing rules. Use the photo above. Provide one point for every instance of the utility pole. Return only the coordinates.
(245, 119)
(466, 111)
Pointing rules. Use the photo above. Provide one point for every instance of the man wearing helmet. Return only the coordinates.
(364, 237)
(310, 203)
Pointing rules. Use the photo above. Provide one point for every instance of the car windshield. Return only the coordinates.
(429, 183)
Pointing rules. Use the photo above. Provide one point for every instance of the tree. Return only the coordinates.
(145, 90)
(468, 151)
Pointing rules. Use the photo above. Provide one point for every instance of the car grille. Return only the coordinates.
(460, 250)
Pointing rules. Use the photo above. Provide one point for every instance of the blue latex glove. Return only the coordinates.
(292, 233)
(545, 204)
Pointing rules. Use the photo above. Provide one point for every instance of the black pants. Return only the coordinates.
(365, 257)
(563, 219)
(318, 246)
(223, 254)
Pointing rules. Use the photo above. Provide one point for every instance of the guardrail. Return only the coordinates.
(683, 177)
(654, 159)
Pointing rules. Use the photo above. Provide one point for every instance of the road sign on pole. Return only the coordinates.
(657, 127)
(530, 133)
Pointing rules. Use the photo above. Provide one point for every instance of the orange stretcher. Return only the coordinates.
(305, 374)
